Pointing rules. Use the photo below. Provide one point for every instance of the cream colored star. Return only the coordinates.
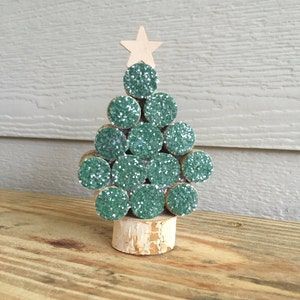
(141, 49)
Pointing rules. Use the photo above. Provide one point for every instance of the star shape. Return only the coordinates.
(141, 49)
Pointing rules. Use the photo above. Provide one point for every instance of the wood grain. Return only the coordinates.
(232, 66)
(57, 248)
(145, 237)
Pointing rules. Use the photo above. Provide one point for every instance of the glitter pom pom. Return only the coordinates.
(94, 172)
(182, 199)
(112, 203)
(197, 166)
(140, 80)
(160, 109)
(110, 142)
(147, 201)
(128, 172)
(179, 138)
(124, 112)
(163, 170)
(145, 140)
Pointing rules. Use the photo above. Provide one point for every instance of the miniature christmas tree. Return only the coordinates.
(143, 161)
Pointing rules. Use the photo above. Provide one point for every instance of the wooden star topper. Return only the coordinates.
(141, 49)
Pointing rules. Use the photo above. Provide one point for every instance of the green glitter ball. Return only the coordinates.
(147, 201)
(182, 199)
(112, 203)
(128, 172)
(197, 166)
(140, 80)
(110, 142)
(94, 172)
(160, 109)
(145, 140)
(163, 170)
(124, 112)
(179, 138)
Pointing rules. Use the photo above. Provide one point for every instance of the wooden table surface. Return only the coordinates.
(55, 247)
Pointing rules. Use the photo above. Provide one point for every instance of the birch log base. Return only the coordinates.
(55, 247)
(145, 237)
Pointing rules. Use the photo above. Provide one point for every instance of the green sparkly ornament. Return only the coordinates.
(112, 203)
(197, 166)
(110, 142)
(94, 172)
(163, 170)
(147, 201)
(179, 138)
(128, 172)
(182, 199)
(160, 109)
(124, 112)
(140, 80)
(145, 140)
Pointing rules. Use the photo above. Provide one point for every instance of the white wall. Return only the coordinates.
(233, 67)
(244, 182)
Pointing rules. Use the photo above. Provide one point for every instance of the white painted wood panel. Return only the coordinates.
(233, 66)
(263, 183)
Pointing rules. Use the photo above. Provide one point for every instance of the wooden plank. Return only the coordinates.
(56, 247)
(261, 183)
(233, 67)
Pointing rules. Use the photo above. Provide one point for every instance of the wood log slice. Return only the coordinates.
(145, 236)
